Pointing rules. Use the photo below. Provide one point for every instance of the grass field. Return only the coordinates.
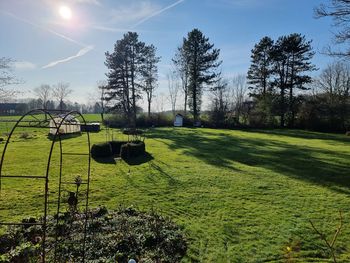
(241, 196)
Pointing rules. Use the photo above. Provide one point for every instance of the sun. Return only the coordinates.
(65, 12)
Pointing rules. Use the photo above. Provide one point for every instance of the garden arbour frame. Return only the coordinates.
(51, 116)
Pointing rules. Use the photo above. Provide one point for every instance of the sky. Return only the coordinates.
(50, 45)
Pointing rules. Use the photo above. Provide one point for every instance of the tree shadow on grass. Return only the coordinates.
(132, 161)
(301, 134)
(317, 165)
(171, 180)
(147, 157)
(106, 160)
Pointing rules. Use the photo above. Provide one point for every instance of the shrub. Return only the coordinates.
(101, 150)
(1, 139)
(132, 149)
(111, 237)
(132, 131)
(116, 146)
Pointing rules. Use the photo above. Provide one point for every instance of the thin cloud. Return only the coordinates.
(43, 28)
(110, 29)
(158, 12)
(24, 65)
(132, 13)
(93, 2)
(80, 53)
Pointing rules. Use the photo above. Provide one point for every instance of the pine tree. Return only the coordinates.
(291, 56)
(260, 70)
(202, 61)
(150, 74)
(125, 75)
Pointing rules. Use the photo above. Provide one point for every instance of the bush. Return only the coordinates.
(111, 237)
(101, 150)
(132, 149)
(116, 146)
(132, 132)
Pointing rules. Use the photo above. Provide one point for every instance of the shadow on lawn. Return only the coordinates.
(220, 149)
(105, 160)
(132, 161)
(140, 159)
(305, 134)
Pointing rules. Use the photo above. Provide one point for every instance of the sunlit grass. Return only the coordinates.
(241, 196)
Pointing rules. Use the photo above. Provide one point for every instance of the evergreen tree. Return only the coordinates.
(291, 56)
(260, 70)
(150, 74)
(202, 61)
(125, 66)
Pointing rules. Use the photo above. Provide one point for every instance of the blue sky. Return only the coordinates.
(49, 49)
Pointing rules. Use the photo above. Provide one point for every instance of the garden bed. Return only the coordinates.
(111, 237)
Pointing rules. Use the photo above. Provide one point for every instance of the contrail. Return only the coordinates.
(80, 53)
(158, 13)
(43, 28)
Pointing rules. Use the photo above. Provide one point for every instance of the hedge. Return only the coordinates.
(123, 148)
(132, 149)
(116, 146)
(101, 150)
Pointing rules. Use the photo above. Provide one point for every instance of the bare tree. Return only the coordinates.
(182, 70)
(335, 80)
(160, 102)
(238, 94)
(339, 11)
(6, 79)
(60, 92)
(334, 87)
(43, 92)
(173, 87)
(219, 102)
(102, 87)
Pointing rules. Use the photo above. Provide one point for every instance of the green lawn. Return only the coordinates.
(241, 196)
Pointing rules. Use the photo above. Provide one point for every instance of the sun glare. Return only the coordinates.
(65, 12)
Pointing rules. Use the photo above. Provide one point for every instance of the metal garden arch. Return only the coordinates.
(58, 118)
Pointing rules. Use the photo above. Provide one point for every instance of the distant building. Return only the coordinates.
(179, 119)
(13, 108)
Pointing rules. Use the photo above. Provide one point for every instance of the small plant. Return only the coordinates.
(24, 135)
(330, 244)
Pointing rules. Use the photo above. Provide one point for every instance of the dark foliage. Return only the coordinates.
(116, 146)
(201, 61)
(101, 150)
(132, 150)
(115, 236)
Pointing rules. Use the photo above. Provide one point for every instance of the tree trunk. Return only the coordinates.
(194, 105)
(149, 109)
(282, 106)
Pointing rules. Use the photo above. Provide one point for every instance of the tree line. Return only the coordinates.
(276, 92)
